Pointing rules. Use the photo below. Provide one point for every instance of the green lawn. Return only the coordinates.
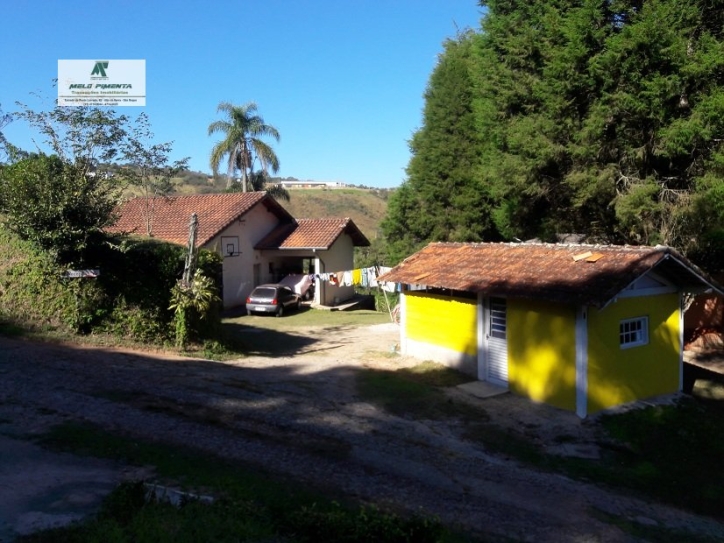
(249, 505)
(267, 335)
(310, 317)
(668, 453)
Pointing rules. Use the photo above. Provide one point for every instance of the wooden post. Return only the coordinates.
(190, 262)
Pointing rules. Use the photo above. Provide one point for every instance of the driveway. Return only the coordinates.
(298, 413)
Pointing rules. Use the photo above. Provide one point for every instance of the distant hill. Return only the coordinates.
(365, 206)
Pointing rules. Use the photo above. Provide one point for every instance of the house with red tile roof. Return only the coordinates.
(581, 327)
(258, 239)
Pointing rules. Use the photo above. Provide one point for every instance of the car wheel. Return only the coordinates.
(296, 306)
(280, 311)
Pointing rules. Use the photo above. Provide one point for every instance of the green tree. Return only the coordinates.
(260, 181)
(148, 166)
(601, 118)
(87, 136)
(242, 142)
(58, 206)
(5, 119)
(442, 198)
(63, 202)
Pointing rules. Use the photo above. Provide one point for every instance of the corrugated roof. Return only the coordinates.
(578, 274)
(169, 217)
(312, 234)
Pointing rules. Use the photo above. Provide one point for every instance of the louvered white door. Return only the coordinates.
(497, 341)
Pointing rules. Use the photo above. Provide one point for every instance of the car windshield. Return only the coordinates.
(264, 293)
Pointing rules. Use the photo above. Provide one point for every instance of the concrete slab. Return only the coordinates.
(40, 489)
(482, 389)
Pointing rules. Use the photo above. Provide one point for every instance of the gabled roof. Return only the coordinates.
(577, 274)
(170, 217)
(312, 234)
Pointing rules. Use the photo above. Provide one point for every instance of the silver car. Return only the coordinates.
(272, 298)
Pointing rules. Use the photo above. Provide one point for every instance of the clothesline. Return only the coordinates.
(364, 277)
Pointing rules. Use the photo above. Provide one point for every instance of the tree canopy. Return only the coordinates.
(601, 118)
(242, 143)
(63, 201)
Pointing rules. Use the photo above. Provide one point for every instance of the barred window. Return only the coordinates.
(633, 332)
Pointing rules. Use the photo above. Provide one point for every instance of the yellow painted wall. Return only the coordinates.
(616, 375)
(442, 320)
(542, 351)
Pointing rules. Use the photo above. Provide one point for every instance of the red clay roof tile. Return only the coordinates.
(169, 217)
(556, 273)
(312, 234)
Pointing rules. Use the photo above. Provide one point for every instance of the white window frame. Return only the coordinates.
(626, 332)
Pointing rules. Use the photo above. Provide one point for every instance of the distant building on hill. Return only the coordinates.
(295, 184)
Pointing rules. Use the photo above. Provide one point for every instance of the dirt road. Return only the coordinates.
(300, 415)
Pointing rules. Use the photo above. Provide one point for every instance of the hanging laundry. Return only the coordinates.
(357, 276)
(365, 277)
(346, 278)
(372, 276)
(333, 279)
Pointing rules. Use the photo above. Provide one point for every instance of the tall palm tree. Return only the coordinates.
(242, 143)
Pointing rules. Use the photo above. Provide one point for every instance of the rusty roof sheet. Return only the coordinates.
(169, 217)
(578, 274)
(312, 234)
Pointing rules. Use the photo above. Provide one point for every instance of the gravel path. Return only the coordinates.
(299, 415)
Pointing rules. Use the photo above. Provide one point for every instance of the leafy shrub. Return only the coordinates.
(129, 299)
(56, 205)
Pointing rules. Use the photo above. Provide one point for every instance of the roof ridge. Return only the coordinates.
(626, 247)
(324, 219)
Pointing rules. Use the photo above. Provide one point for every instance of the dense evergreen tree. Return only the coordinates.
(598, 117)
(607, 117)
(441, 199)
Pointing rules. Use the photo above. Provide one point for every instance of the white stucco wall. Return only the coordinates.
(339, 257)
(239, 270)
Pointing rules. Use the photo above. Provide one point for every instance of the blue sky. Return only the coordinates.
(342, 80)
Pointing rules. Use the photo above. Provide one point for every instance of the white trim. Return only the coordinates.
(488, 322)
(480, 323)
(403, 322)
(681, 341)
(696, 274)
(636, 292)
(582, 361)
(642, 334)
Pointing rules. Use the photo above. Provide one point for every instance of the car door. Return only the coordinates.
(286, 296)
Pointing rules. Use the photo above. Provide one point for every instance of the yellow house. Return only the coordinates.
(581, 327)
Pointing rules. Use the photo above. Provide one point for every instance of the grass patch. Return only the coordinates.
(307, 316)
(672, 452)
(647, 532)
(249, 506)
(416, 392)
(266, 335)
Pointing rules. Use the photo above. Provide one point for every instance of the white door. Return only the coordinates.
(496, 335)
